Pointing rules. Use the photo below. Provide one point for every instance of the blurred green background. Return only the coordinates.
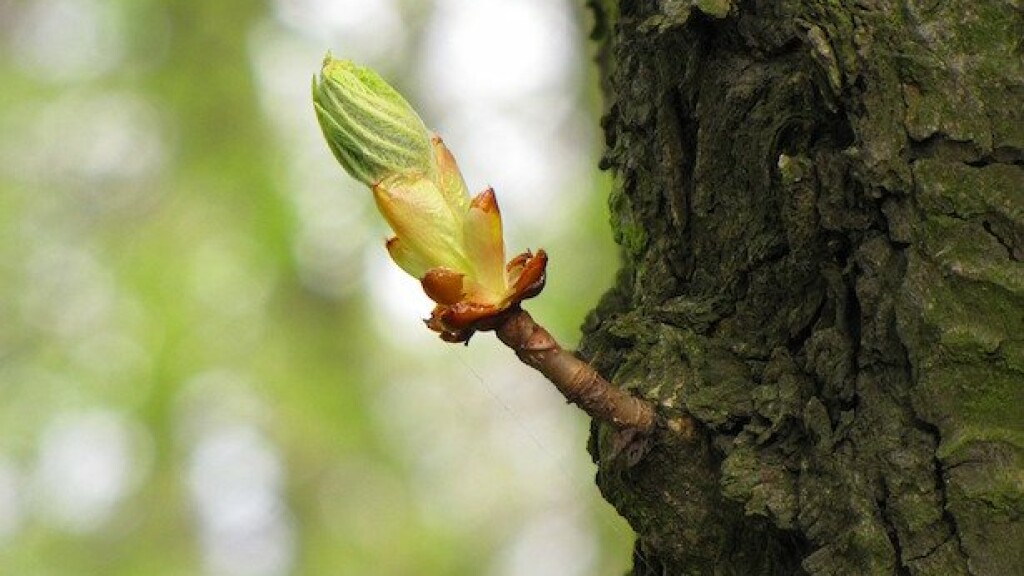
(209, 365)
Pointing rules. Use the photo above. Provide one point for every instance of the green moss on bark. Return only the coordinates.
(821, 210)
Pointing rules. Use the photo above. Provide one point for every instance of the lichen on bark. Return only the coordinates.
(821, 209)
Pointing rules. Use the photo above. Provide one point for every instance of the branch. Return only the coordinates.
(574, 378)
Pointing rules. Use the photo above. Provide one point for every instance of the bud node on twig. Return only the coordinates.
(452, 243)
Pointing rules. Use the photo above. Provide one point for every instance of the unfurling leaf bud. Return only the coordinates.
(372, 131)
(453, 244)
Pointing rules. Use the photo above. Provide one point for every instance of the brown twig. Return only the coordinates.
(574, 378)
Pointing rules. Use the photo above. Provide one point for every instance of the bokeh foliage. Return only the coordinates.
(182, 392)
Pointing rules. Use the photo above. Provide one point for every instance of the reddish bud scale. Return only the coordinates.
(456, 321)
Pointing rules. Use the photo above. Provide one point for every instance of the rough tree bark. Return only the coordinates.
(821, 207)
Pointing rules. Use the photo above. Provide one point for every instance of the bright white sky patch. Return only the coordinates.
(236, 479)
(68, 40)
(366, 30)
(551, 544)
(88, 462)
(498, 50)
(499, 79)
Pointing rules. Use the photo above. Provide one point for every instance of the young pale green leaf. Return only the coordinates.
(372, 131)
(485, 244)
(429, 233)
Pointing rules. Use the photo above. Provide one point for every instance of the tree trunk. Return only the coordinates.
(821, 207)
